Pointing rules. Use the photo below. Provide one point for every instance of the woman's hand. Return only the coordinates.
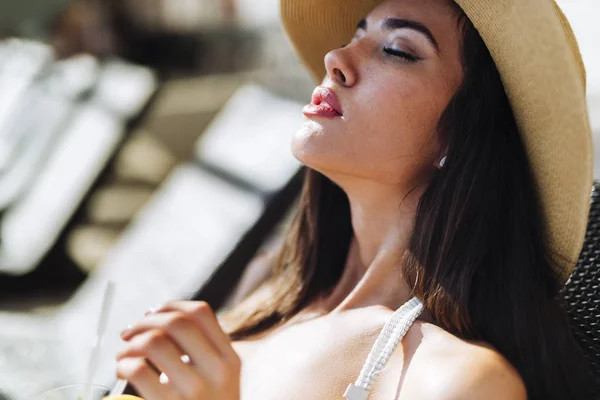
(157, 343)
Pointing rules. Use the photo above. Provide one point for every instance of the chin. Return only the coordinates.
(317, 149)
(312, 145)
(308, 143)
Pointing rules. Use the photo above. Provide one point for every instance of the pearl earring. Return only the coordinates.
(442, 162)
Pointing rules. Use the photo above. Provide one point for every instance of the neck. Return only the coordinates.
(383, 221)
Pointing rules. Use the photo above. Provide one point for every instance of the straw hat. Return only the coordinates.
(537, 56)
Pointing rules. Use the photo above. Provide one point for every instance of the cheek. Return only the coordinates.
(401, 120)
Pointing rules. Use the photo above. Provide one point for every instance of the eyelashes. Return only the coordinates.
(401, 54)
(396, 53)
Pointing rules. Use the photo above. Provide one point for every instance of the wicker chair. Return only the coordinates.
(582, 291)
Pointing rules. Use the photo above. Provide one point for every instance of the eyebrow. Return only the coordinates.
(390, 24)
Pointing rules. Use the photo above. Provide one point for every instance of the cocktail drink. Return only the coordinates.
(74, 392)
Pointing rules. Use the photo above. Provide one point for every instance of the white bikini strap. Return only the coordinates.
(387, 341)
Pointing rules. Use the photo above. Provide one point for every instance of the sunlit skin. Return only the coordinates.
(382, 153)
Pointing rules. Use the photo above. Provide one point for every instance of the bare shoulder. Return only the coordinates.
(465, 370)
(438, 365)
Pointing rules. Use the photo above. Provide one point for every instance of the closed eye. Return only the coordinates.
(401, 54)
(396, 53)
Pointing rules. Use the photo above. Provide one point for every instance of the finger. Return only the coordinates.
(152, 321)
(143, 378)
(166, 356)
(181, 328)
(186, 334)
(204, 316)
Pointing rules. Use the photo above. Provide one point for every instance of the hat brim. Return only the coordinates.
(541, 68)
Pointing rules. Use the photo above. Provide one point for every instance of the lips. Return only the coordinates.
(324, 98)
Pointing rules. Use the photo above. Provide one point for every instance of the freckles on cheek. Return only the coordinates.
(404, 126)
(397, 111)
(425, 104)
(396, 95)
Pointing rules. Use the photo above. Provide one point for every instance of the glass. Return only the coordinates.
(73, 392)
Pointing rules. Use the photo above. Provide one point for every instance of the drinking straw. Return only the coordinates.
(101, 328)
(118, 389)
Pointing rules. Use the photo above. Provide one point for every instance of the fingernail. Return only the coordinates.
(164, 379)
(152, 310)
(126, 330)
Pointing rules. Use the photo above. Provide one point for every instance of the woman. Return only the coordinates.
(434, 187)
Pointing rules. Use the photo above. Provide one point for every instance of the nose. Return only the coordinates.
(340, 68)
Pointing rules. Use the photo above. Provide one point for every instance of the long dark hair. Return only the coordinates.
(478, 259)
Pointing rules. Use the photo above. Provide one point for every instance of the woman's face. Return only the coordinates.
(393, 81)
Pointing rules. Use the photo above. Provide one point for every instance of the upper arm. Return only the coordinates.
(488, 377)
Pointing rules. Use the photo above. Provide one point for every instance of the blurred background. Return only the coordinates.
(146, 142)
